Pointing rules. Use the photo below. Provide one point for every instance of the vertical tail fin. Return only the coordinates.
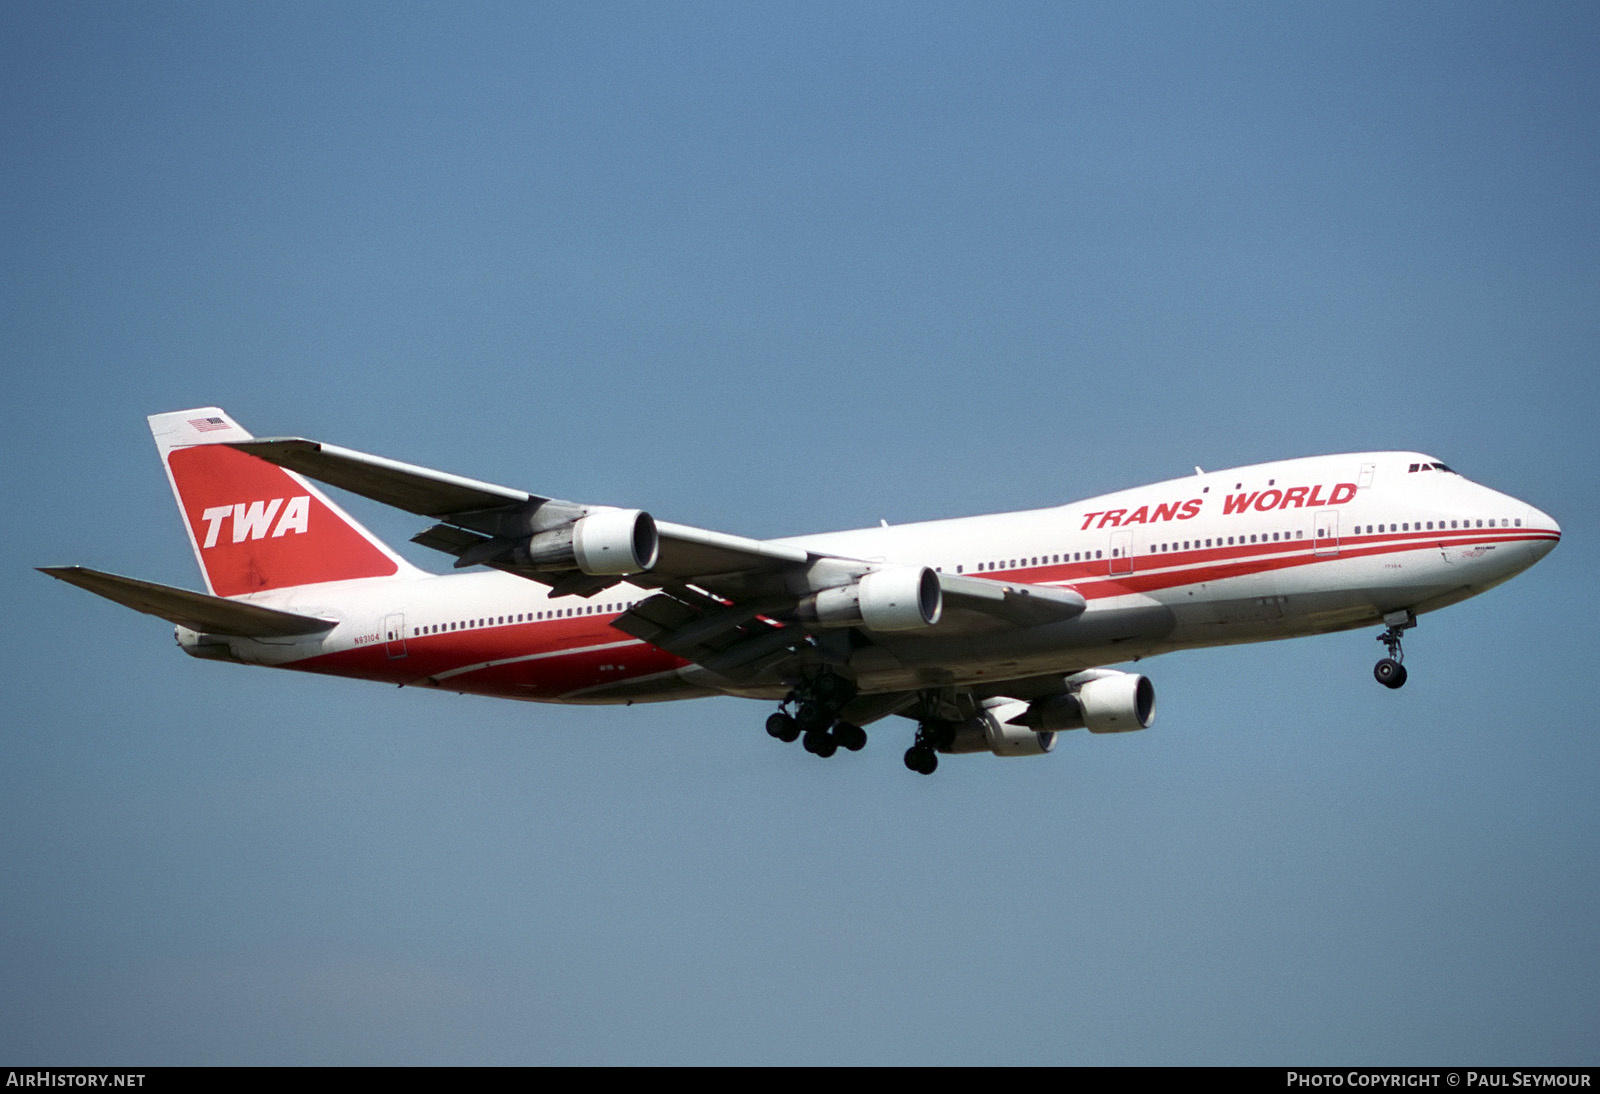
(255, 526)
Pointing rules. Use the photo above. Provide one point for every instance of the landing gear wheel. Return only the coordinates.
(922, 759)
(819, 742)
(812, 718)
(1390, 673)
(783, 727)
(850, 736)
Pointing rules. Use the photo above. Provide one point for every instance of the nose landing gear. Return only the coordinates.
(1391, 671)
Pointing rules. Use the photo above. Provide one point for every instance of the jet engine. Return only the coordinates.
(900, 598)
(1101, 700)
(992, 731)
(605, 542)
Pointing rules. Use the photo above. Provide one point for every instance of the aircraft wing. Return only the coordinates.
(726, 602)
(197, 611)
(415, 489)
(737, 638)
(477, 517)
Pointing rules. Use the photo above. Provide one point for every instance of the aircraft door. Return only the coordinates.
(1121, 552)
(1325, 538)
(394, 635)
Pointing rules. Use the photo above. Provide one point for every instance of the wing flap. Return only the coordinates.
(729, 639)
(197, 611)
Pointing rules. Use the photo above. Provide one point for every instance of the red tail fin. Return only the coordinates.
(255, 526)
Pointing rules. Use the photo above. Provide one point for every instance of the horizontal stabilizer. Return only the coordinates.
(197, 611)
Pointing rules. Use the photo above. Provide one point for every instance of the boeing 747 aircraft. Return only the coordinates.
(992, 634)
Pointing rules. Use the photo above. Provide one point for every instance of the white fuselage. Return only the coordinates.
(1269, 551)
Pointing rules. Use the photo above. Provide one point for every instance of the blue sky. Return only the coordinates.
(775, 271)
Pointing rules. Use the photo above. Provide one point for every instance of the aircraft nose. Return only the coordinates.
(1546, 533)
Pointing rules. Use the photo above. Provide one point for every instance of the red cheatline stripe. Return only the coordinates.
(1178, 568)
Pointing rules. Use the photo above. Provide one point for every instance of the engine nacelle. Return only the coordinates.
(605, 542)
(1106, 701)
(992, 731)
(1117, 704)
(901, 598)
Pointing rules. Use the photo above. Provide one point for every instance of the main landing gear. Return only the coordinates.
(817, 704)
(923, 756)
(1391, 671)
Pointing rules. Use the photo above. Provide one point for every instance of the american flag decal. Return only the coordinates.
(206, 425)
